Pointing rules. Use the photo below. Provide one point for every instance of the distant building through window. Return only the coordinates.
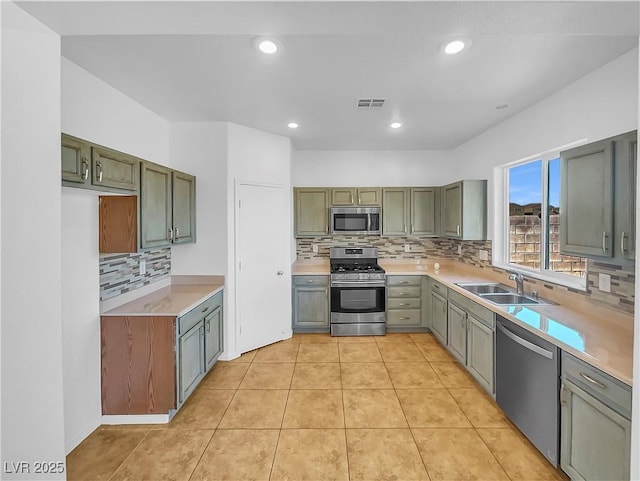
(534, 219)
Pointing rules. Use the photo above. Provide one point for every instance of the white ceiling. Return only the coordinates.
(194, 61)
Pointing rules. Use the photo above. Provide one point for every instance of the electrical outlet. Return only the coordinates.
(604, 282)
(314, 248)
(459, 250)
(143, 267)
(407, 247)
(483, 255)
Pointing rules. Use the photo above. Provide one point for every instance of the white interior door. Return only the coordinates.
(263, 299)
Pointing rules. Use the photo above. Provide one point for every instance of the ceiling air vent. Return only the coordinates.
(366, 104)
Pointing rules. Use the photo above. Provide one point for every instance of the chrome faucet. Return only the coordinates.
(519, 279)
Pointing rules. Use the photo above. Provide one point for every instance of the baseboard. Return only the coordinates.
(135, 419)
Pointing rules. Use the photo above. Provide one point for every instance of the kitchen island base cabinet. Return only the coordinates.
(595, 423)
(151, 364)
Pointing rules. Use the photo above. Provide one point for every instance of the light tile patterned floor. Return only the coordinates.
(319, 408)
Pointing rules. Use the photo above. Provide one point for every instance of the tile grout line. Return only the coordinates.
(344, 414)
(129, 455)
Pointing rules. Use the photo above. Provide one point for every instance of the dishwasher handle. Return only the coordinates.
(524, 343)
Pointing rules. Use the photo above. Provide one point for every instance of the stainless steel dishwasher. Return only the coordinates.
(527, 385)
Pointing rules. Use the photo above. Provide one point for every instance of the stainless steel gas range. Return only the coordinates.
(358, 292)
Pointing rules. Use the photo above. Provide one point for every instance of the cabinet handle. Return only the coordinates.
(586, 377)
(85, 169)
(170, 237)
(310, 281)
(359, 200)
(405, 318)
(622, 236)
(404, 304)
(403, 294)
(208, 326)
(458, 230)
(403, 282)
(604, 242)
(350, 197)
(99, 165)
(563, 389)
(177, 234)
(205, 309)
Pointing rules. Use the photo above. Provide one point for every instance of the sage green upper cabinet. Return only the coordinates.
(395, 209)
(361, 196)
(114, 169)
(75, 159)
(597, 204)
(184, 208)
(586, 203)
(311, 206)
(424, 211)
(464, 210)
(155, 206)
(167, 206)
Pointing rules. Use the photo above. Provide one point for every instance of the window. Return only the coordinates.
(533, 232)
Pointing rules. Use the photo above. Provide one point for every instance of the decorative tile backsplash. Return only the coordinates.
(622, 295)
(120, 273)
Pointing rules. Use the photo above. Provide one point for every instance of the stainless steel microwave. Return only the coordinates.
(355, 220)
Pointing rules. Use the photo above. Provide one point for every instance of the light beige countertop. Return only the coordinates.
(183, 294)
(601, 336)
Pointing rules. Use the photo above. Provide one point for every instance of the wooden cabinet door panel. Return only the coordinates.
(457, 332)
(311, 212)
(423, 211)
(311, 307)
(395, 204)
(75, 160)
(595, 440)
(156, 204)
(586, 203)
(118, 223)
(184, 208)
(452, 210)
(191, 360)
(113, 169)
(480, 353)
(439, 317)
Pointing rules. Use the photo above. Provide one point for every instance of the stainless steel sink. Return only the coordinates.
(510, 299)
(500, 294)
(484, 288)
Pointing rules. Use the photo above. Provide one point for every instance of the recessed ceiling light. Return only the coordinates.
(502, 106)
(267, 45)
(456, 46)
(292, 125)
(395, 125)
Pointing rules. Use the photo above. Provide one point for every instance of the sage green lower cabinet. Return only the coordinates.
(439, 311)
(472, 338)
(191, 360)
(310, 298)
(595, 430)
(404, 304)
(213, 332)
(457, 332)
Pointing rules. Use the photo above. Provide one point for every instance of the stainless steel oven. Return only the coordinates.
(355, 220)
(358, 292)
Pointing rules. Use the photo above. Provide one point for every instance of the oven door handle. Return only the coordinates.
(358, 284)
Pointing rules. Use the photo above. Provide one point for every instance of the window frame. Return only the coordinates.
(501, 229)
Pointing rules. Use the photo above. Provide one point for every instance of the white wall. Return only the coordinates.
(32, 394)
(200, 148)
(600, 104)
(342, 168)
(93, 110)
(255, 156)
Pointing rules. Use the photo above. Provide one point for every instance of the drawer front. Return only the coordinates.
(192, 317)
(403, 280)
(404, 304)
(310, 280)
(610, 391)
(481, 313)
(404, 317)
(398, 292)
(439, 288)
